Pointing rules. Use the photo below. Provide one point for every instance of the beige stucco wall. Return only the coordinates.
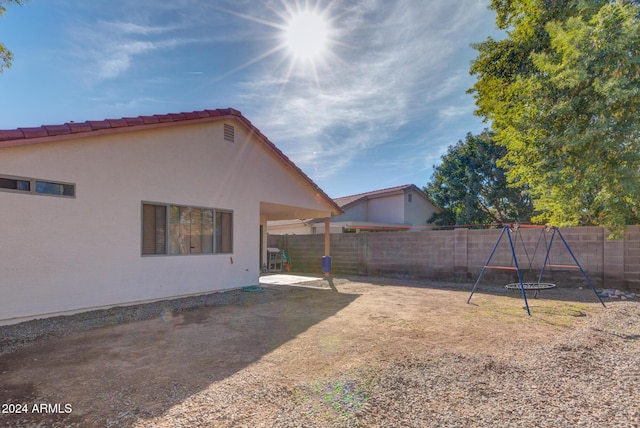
(60, 254)
(388, 209)
(418, 211)
(357, 212)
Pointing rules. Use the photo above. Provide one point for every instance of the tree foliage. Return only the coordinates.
(5, 55)
(562, 92)
(472, 188)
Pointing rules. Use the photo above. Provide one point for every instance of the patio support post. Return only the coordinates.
(327, 240)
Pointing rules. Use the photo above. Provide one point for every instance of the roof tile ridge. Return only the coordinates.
(98, 124)
(57, 129)
(11, 134)
(34, 132)
(76, 127)
(117, 123)
(95, 125)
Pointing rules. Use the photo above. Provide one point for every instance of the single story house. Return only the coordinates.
(114, 212)
(404, 207)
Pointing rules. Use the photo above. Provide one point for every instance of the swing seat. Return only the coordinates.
(530, 286)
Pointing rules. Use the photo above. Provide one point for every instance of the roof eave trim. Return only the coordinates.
(108, 131)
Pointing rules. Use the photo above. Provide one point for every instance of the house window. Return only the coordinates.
(51, 188)
(409, 197)
(184, 230)
(224, 232)
(154, 229)
(36, 186)
(190, 230)
(229, 133)
(15, 184)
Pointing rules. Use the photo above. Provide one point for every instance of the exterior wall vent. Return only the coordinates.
(229, 133)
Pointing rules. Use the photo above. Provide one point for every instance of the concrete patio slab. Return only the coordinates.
(286, 279)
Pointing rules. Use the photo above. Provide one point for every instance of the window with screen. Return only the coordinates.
(185, 230)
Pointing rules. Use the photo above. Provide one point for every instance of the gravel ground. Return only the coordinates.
(584, 376)
(16, 336)
(590, 378)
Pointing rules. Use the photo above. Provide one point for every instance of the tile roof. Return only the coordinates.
(48, 133)
(15, 137)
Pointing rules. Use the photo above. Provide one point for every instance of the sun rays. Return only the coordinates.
(304, 38)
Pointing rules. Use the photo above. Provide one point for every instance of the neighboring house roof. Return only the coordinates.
(348, 201)
(71, 130)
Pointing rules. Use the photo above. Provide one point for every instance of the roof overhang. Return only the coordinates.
(273, 211)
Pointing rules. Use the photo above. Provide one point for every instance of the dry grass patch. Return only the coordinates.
(354, 352)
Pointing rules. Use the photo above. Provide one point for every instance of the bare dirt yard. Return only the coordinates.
(347, 352)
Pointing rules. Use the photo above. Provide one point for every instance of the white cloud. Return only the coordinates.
(116, 60)
(392, 64)
(394, 67)
(133, 28)
(107, 49)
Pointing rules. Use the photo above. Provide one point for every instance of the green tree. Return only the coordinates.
(472, 188)
(5, 55)
(562, 92)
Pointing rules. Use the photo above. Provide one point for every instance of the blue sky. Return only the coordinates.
(376, 108)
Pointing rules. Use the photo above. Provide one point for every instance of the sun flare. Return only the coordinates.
(306, 35)
(305, 39)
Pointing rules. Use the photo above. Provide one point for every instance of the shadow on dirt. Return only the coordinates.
(150, 365)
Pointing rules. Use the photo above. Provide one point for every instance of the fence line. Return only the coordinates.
(460, 254)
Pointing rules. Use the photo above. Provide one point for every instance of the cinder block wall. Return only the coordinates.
(631, 257)
(459, 255)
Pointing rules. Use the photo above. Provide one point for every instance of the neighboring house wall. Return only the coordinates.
(388, 209)
(357, 212)
(62, 254)
(418, 211)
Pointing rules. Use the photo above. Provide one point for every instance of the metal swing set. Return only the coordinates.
(512, 232)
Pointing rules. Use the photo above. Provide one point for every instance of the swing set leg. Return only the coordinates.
(515, 259)
(473, 290)
(586, 277)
